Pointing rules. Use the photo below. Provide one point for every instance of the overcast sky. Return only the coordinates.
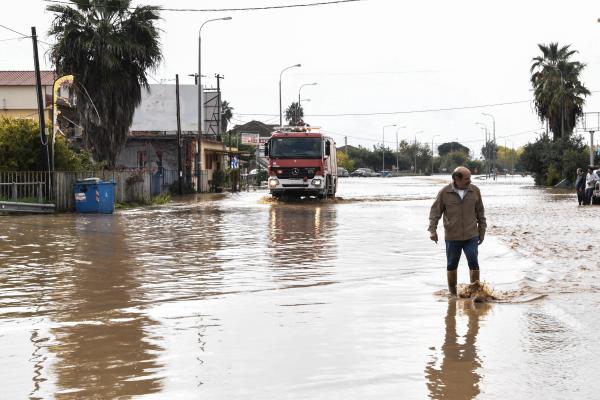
(372, 56)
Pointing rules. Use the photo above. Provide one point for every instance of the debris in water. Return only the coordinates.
(478, 291)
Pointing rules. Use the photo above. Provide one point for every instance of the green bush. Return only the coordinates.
(21, 149)
(550, 161)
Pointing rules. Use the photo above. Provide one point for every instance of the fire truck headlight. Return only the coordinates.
(316, 182)
(273, 182)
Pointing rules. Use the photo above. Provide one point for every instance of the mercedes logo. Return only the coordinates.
(295, 171)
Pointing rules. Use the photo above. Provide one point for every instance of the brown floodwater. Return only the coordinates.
(239, 296)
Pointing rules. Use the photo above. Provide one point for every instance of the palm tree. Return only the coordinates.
(108, 46)
(294, 114)
(226, 114)
(559, 95)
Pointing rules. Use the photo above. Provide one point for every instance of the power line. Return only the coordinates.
(23, 36)
(15, 38)
(322, 3)
(401, 112)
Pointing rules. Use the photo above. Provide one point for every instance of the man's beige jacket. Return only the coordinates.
(463, 219)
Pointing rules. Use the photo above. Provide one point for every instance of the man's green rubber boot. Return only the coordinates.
(474, 275)
(452, 278)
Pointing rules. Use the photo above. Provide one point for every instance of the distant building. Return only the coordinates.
(152, 141)
(18, 96)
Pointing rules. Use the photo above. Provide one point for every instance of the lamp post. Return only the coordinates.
(512, 159)
(433, 137)
(398, 149)
(299, 89)
(416, 133)
(494, 140)
(383, 148)
(199, 169)
(280, 74)
(486, 157)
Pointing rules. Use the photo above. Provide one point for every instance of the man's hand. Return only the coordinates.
(480, 239)
(433, 236)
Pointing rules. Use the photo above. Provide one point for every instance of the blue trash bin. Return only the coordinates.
(94, 196)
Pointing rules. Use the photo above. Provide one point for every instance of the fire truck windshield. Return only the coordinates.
(295, 147)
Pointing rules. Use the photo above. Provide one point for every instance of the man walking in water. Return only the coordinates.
(464, 223)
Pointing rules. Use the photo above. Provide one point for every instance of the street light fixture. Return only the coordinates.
(200, 98)
(280, 74)
(494, 133)
(383, 148)
(398, 149)
(433, 137)
(416, 133)
(486, 158)
(300, 100)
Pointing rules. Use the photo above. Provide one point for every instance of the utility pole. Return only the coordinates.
(346, 144)
(179, 170)
(40, 100)
(494, 153)
(415, 154)
(397, 151)
(591, 147)
(219, 77)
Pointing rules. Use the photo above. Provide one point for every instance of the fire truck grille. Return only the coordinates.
(292, 173)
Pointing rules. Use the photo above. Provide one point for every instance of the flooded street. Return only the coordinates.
(237, 296)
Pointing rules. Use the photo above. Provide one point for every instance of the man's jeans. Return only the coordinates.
(454, 248)
(589, 192)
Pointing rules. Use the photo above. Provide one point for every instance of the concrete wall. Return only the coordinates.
(128, 156)
(21, 101)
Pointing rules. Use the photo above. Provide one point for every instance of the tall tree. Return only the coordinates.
(109, 47)
(294, 114)
(226, 114)
(450, 147)
(559, 95)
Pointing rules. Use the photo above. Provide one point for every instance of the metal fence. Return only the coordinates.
(28, 186)
(131, 185)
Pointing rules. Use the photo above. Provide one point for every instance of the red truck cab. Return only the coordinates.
(302, 163)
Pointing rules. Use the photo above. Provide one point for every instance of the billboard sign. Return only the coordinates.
(251, 139)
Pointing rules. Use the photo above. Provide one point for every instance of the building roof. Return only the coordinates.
(254, 127)
(25, 78)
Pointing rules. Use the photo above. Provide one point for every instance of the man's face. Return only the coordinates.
(464, 182)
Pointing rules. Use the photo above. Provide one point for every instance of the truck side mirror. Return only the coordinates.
(327, 148)
(267, 149)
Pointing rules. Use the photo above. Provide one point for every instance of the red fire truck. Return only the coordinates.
(302, 163)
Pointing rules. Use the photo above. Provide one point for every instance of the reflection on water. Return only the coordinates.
(457, 375)
(102, 347)
(302, 241)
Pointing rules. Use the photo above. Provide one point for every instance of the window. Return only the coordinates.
(141, 159)
(295, 147)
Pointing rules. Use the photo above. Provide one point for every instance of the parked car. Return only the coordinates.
(342, 172)
(365, 173)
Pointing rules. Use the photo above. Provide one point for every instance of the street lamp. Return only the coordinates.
(494, 133)
(280, 74)
(433, 137)
(398, 149)
(200, 98)
(299, 100)
(383, 148)
(416, 133)
(486, 157)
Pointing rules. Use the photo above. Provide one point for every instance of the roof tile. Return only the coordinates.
(25, 78)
